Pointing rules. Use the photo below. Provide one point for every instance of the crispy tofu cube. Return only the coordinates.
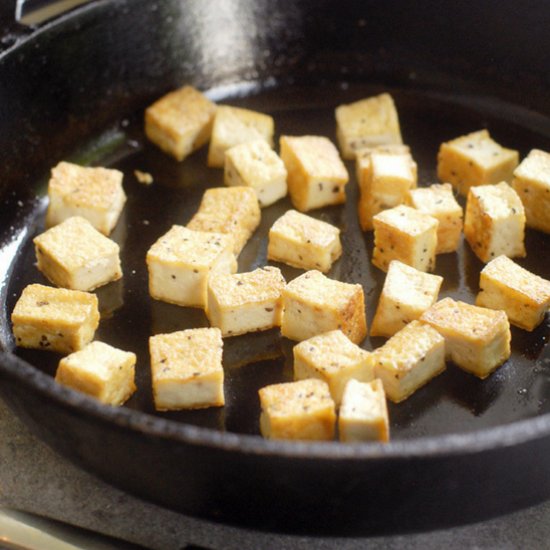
(233, 126)
(186, 369)
(334, 358)
(313, 304)
(300, 410)
(74, 255)
(95, 194)
(475, 159)
(405, 234)
(100, 371)
(385, 179)
(524, 296)
(406, 295)
(54, 319)
(477, 339)
(439, 202)
(254, 164)
(304, 242)
(409, 360)
(316, 175)
(366, 123)
(532, 183)
(245, 302)
(180, 122)
(234, 211)
(180, 262)
(363, 415)
(494, 223)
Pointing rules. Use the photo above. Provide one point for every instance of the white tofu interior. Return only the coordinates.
(96, 272)
(183, 285)
(187, 394)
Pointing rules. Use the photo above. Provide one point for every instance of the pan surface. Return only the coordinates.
(459, 434)
(454, 402)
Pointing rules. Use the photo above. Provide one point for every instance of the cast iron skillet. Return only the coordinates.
(462, 449)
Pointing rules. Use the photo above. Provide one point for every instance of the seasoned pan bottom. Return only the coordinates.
(454, 402)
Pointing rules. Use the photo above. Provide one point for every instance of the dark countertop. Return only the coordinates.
(36, 479)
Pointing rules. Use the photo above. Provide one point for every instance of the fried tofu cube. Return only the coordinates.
(475, 159)
(245, 302)
(524, 296)
(254, 164)
(233, 211)
(334, 358)
(181, 261)
(406, 295)
(532, 183)
(477, 339)
(313, 304)
(54, 319)
(233, 126)
(180, 122)
(439, 202)
(366, 123)
(494, 223)
(316, 175)
(186, 369)
(77, 256)
(95, 194)
(304, 242)
(405, 234)
(363, 415)
(100, 371)
(409, 360)
(385, 179)
(302, 410)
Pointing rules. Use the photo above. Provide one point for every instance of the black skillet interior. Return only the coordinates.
(455, 402)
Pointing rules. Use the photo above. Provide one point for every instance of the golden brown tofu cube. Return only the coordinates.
(95, 194)
(405, 234)
(256, 165)
(100, 371)
(367, 123)
(230, 210)
(385, 178)
(475, 159)
(409, 360)
(313, 304)
(406, 295)
(363, 415)
(524, 296)
(75, 255)
(186, 369)
(54, 319)
(334, 358)
(477, 339)
(245, 302)
(316, 175)
(494, 223)
(180, 262)
(233, 126)
(532, 183)
(439, 202)
(180, 122)
(302, 410)
(304, 242)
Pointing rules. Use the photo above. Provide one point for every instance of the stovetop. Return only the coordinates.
(36, 479)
